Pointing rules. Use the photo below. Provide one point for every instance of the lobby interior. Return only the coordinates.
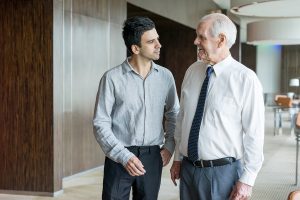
(54, 52)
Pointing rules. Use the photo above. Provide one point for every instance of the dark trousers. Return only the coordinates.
(211, 183)
(117, 183)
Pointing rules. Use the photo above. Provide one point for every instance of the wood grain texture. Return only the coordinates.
(26, 93)
(248, 56)
(290, 67)
(178, 51)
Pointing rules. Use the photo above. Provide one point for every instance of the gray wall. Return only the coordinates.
(268, 67)
(92, 44)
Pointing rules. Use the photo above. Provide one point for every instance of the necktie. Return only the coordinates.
(194, 133)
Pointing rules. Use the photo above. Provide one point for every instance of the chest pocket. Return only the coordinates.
(226, 108)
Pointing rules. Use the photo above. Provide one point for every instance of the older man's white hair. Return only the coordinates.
(221, 24)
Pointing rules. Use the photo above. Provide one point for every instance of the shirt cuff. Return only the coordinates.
(126, 157)
(248, 178)
(169, 145)
(177, 154)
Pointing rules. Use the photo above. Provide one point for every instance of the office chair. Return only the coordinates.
(283, 102)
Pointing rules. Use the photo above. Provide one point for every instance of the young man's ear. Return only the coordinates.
(135, 49)
(222, 40)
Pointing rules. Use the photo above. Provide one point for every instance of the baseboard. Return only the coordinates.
(31, 193)
(83, 172)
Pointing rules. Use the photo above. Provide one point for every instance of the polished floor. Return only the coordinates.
(275, 180)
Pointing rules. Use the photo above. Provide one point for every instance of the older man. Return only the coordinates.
(220, 129)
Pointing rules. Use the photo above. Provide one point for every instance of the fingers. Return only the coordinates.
(241, 191)
(175, 171)
(174, 176)
(166, 156)
(135, 167)
(174, 180)
(239, 197)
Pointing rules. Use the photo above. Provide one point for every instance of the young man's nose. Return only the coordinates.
(158, 45)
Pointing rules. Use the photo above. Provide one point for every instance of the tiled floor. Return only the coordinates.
(274, 182)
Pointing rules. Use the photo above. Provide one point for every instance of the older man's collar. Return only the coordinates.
(221, 66)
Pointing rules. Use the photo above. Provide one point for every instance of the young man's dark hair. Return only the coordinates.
(133, 30)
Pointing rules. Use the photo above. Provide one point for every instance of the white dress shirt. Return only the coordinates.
(233, 117)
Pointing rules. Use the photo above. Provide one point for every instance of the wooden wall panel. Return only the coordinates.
(178, 51)
(290, 67)
(26, 93)
(248, 56)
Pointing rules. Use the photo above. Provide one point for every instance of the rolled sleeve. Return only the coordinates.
(110, 145)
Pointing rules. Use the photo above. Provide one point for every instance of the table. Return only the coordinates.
(278, 110)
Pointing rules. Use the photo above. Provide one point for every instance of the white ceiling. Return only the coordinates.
(282, 8)
(268, 22)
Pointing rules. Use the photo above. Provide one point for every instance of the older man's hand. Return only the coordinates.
(241, 191)
(175, 171)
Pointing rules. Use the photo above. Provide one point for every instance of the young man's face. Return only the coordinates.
(150, 46)
(206, 44)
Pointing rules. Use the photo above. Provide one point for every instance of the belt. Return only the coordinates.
(211, 163)
(139, 150)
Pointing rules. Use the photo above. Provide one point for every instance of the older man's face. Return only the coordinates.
(206, 44)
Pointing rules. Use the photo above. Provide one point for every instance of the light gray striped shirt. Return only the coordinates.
(129, 110)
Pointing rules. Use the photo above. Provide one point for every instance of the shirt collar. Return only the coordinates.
(221, 66)
(128, 68)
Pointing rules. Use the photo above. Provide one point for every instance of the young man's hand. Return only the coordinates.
(165, 156)
(135, 167)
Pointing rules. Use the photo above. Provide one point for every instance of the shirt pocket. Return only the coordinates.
(226, 108)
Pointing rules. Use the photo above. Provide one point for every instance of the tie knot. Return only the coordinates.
(209, 70)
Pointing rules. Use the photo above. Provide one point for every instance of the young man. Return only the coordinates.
(131, 102)
(220, 127)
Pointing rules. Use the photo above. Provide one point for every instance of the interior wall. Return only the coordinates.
(26, 93)
(268, 64)
(58, 93)
(92, 44)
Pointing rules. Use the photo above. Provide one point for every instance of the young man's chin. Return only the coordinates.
(156, 58)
